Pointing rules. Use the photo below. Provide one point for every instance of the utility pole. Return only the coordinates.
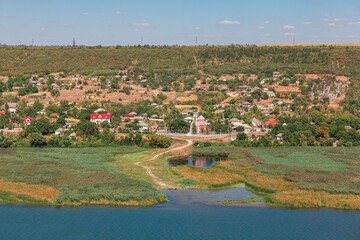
(196, 41)
(142, 40)
(74, 45)
(32, 43)
(294, 40)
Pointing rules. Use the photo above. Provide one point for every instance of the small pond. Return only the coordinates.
(195, 161)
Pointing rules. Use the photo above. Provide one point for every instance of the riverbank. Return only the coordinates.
(118, 176)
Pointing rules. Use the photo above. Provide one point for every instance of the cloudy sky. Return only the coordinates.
(170, 22)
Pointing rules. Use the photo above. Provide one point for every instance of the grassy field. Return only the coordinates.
(296, 176)
(81, 176)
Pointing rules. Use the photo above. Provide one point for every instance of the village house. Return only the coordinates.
(271, 94)
(99, 110)
(99, 118)
(270, 123)
(279, 137)
(188, 112)
(244, 88)
(12, 107)
(276, 74)
(246, 105)
(256, 122)
(235, 122)
(247, 128)
(266, 113)
(59, 131)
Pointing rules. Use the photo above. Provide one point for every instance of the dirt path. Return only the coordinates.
(156, 179)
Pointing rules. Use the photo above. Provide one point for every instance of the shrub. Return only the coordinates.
(5, 142)
(159, 141)
(37, 140)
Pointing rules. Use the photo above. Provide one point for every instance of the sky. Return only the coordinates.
(178, 22)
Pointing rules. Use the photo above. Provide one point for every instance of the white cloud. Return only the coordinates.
(118, 13)
(261, 27)
(315, 36)
(350, 36)
(141, 24)
(267, 22)
(65, 25)
(43, 29)
(340, 19)
(288, 27)
(265, 35)
(289, 34)
(4, 15)
(85, 14)
(354, 23)
(228, 22)
(331, 24)
(307, 23)
(195, 28)
(325, 19)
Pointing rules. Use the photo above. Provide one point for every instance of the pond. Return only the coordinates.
(195, 161)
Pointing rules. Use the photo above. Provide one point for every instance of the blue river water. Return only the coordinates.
(192, 214)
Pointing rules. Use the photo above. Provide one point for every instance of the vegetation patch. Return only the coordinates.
(249, 200)
(82, 175)
(208, 177)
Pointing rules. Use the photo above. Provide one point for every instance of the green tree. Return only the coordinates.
(37, 140)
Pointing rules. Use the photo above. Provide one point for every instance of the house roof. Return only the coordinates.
(271, 123)
(28, 119)
(100, 116)
(201, 118)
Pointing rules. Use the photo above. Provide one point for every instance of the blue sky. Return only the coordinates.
(170, 22)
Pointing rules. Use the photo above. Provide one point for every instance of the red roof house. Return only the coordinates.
(271, 123)
(98, 118)
(54, 115)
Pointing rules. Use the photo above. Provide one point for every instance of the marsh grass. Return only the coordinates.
(80, 174)
(297, 176)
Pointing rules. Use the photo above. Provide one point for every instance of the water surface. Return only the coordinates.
(195, 161)
(188, 216)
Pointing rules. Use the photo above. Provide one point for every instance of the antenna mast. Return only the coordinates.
(142, 40)
(74, 45)
(196, 41)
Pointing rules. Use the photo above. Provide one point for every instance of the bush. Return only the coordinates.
(159, 141)
(37, 140)
(188, 181)
(5, 142)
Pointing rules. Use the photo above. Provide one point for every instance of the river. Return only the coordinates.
(191, 214)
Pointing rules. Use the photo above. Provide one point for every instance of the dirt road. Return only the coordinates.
(156, 179)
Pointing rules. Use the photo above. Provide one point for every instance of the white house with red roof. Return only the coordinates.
(28, 120)
(99, 118)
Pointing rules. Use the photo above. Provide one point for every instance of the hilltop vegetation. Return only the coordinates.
(148, 60)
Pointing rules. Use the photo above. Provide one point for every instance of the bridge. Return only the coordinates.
(195, 137)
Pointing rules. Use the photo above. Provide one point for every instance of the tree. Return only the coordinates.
(42, 125)
(38, 105)
(240, 128)
(241, 136)
(37, 140)
(138, 139)
(179, 125)
(86, 129)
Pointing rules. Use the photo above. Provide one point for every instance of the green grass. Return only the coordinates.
(300, 157)
(81, 174)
